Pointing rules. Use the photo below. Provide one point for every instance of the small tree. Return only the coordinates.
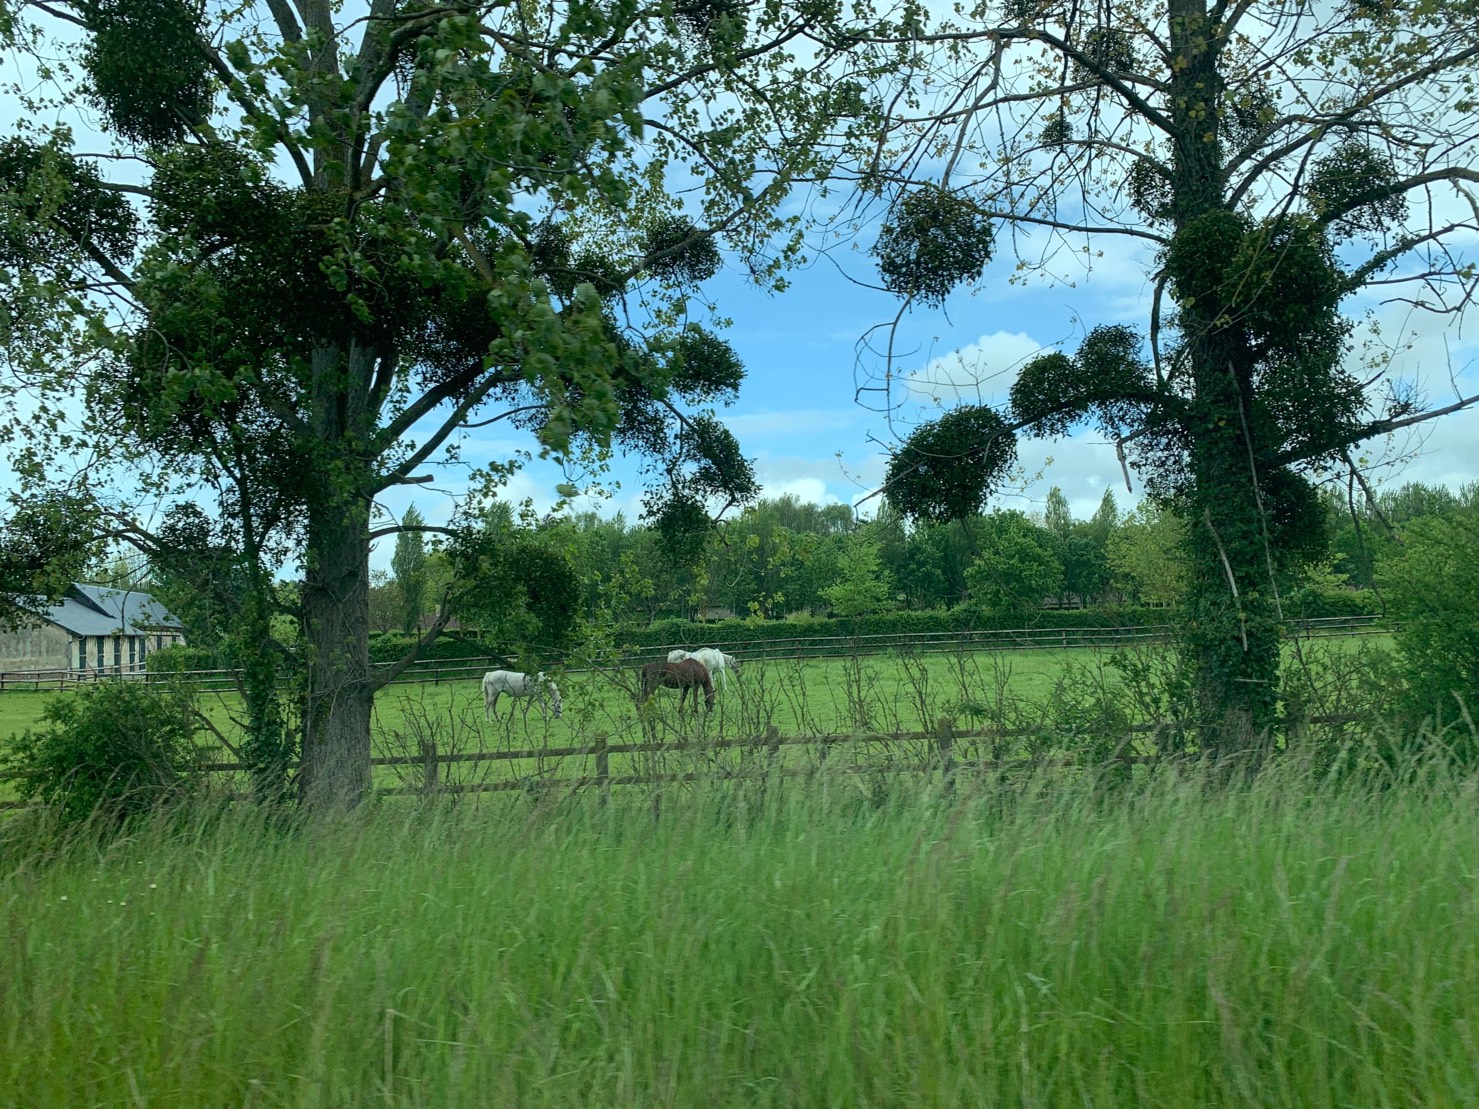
(1147, 555)
(385, 603)
(1057, 516)
(860, 588)
(1086, 573)
(1018, 568)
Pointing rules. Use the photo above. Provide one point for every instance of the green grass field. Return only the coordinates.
(812, 697)
(1281, 945)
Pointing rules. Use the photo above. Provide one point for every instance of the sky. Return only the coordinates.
(810, 433)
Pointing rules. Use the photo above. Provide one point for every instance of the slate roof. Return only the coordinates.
(99, 610)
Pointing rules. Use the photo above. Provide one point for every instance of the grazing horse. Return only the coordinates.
(715, 661)
(498, 682)
(686, 674)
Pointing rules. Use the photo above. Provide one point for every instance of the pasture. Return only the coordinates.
(883, 694)
(1287, 944)
(802, 697)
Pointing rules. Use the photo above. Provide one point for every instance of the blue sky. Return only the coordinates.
(797, 416)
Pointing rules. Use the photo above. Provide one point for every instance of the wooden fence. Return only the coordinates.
(941, 755)
(921, 643)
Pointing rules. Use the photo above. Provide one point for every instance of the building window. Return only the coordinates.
(158, 642)
(100, 651)
(117, 651)
(133, 650)
(82, 652)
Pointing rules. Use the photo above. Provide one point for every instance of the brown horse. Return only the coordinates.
(688, 675)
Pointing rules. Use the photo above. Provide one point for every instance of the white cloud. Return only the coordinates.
(980, 372)
(808, 490)
(819, 480)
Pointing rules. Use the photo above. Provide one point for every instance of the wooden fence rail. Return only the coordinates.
(943, 739)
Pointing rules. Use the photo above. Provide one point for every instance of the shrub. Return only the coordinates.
(1433, 585)
(116, 749)
(1322, 601)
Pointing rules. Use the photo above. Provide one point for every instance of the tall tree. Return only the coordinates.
(1105, 519)
(1057, 516)
(1271, 161)
(327, 243)
(408, 564)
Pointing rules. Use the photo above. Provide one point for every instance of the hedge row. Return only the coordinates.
(179, 658)
(387, 647)
(687, 633)
(1307, 604)
(392, 646)
(1317, 604)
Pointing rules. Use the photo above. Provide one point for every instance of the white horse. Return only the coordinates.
(715, 661)
(515, 684)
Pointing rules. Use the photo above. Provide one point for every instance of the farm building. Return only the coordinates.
(93, 629)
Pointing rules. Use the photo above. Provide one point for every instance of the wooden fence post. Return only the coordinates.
(603, 767)
(431, 767)
(945, 746)
(773, 740)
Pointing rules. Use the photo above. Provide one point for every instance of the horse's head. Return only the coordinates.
(554, 698)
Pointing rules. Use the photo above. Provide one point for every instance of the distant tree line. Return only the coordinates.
(785, 558)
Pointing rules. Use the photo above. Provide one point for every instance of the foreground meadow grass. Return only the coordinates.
(1281, 945)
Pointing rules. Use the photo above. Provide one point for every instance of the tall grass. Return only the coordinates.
(1041, 943)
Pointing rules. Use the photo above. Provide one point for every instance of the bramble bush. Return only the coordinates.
(115, 750)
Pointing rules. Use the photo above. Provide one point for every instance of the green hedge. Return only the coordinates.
(1315, 603)
(391, 646)
(388, 647)
(687, 633)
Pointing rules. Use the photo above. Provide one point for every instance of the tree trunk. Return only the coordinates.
(335, 768)
(335, 771)
(1232, 627)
